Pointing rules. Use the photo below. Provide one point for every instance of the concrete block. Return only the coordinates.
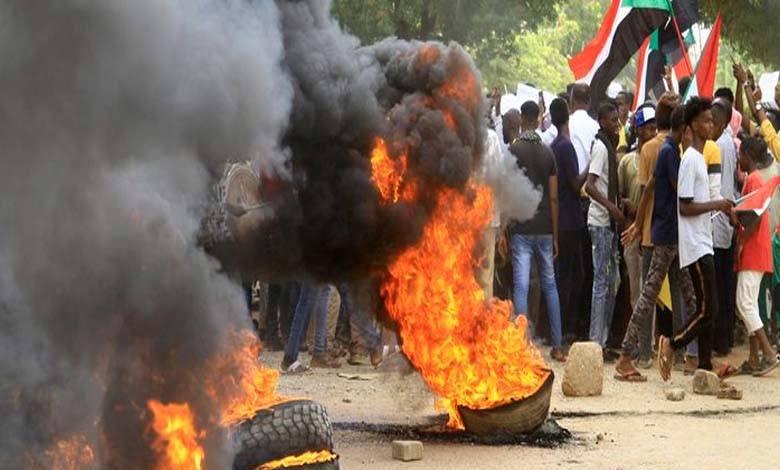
(583, 374)
(407, 451)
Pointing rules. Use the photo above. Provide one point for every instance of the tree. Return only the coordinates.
(747, 24)
(463, 21)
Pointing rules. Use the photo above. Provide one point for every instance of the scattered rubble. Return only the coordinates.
(729, 392)
(675, 394)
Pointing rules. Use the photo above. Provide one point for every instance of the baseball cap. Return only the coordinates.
(643, 116)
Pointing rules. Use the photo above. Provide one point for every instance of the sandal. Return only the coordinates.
(664, 363)
(632, 375)
(726, 371)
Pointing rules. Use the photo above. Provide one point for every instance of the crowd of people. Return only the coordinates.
(637, 244)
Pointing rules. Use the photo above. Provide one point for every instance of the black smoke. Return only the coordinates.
(117, 118)
(116, 115)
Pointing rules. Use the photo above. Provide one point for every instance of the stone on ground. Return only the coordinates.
(583, 374)
(407, 451)
(706, 382)
(675, 394)
(729, 392)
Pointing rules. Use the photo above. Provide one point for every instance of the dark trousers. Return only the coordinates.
(726, 281)
(279, 312)
(583, 320)
(699, 325)
(569, 274)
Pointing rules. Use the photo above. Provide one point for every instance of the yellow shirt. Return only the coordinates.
(647, 158)
(769, 134)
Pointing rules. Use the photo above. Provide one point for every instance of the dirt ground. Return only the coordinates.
(630, 426)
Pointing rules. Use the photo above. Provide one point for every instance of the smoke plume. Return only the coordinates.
(118, 117)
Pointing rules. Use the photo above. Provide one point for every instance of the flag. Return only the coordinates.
(756, 203)
(686, 13)
(649, 72)
(625, 26)
(703, 80)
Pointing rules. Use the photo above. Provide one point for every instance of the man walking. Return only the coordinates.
(663, 259)
(695, 240)
(537, 237)
(604, 218)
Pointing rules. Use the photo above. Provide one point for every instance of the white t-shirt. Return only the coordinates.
(722, 230)
(695, 233)
(598, 215)
(549, 135)
(491, 162)
(583, 130)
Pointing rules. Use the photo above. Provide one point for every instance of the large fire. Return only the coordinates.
(177, 439)
(239, 384)
(467, 350)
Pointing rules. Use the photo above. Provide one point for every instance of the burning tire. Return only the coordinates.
(287, 429)
(519, 417)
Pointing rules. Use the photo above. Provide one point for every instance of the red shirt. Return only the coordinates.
(756, 250)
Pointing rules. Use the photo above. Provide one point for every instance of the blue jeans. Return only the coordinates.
(358, 321)
(313, 299)
(606, 276)
(540, 246)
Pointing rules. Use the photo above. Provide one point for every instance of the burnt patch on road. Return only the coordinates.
(549, 435)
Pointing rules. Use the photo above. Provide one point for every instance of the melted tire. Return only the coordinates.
(286, 429)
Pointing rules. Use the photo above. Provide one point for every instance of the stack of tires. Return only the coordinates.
(288, 429)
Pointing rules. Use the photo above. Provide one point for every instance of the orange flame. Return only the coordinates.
(177, 438)
(388, 174)
(71, 454)
(307, 458)
(239, 383)
(468, 352)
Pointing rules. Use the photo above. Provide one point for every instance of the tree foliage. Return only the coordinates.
(463, 21)
(748, 25)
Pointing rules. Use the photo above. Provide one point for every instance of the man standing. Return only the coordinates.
(537, 237)
(569, 267)
(695, 240)
(723, 233)
(604, 218)
(631, 192)
(582, 127)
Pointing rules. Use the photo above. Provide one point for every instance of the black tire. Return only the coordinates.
(283, 430)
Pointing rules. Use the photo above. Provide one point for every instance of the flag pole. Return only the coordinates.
(680, 38)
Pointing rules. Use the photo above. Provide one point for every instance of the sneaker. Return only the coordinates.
(296, 367)
(378, 355)
(558, 354)
(324, 361)
(765, 367)
(610, 356)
